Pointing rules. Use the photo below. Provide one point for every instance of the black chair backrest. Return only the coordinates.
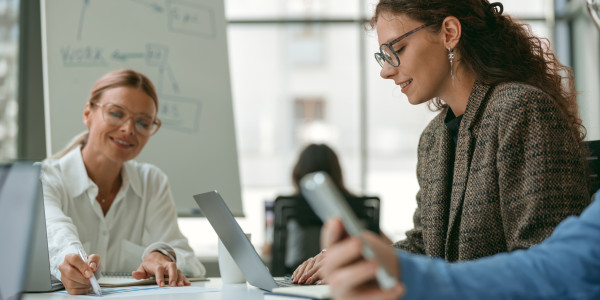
(288, 208)
(594, 165)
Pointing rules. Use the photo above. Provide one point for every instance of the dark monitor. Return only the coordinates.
(297, 229)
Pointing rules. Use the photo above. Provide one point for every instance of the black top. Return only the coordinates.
(453, 124)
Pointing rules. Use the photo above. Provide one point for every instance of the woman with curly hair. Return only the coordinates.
(503, 161)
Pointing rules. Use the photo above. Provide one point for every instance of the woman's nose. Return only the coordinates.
(387, 71)
(128, 126)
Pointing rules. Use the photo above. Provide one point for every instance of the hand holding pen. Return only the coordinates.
(92, 277)
(77, 271)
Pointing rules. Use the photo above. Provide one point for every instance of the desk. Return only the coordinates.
(228, 292)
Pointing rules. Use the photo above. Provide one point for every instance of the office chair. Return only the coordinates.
(594, 166)
(296, 231)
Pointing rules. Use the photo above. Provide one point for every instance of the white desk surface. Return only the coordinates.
(228, 292)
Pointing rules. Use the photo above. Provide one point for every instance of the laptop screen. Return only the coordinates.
(234, 239)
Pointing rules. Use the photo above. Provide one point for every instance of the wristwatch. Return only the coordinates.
(168, 253)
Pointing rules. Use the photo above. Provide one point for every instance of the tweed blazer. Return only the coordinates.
(518, 172)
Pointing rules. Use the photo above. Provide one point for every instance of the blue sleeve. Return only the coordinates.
(564, 266)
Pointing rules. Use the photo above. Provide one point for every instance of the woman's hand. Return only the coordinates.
(349, 274)
(309, 271)
(159, 265)
(75, 274)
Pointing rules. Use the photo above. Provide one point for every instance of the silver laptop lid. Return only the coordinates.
(234, 239)
(38, 278)
(19, 206)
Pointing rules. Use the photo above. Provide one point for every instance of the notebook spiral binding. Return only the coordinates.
(116, 274)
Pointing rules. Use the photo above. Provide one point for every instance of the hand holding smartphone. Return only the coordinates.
(327, 202)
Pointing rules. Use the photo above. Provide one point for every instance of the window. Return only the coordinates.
(309, 110)
(9, 49)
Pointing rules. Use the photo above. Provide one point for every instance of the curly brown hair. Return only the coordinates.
(496, 48)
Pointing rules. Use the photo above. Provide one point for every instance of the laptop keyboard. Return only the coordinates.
(56, 285)
(287, 281)
(283, 282)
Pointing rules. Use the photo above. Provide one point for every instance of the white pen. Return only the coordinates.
(93, 279)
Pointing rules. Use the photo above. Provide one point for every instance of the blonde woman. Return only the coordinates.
(97, 197)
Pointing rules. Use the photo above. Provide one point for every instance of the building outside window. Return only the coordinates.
(9, 50)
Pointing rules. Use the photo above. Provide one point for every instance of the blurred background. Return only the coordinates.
(302, 71)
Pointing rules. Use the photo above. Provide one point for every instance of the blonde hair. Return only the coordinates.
(111, 80)
(80, 139)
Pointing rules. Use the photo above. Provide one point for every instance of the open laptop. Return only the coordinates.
(241, 250)
(25, 260)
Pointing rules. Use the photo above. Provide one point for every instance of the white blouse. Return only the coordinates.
(141, 218)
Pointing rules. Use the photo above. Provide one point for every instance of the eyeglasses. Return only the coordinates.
(117, 115)
(388, 54)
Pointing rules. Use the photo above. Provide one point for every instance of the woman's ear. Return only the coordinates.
(451, 32)
(87, 110)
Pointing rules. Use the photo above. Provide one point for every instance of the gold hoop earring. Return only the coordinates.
(451, 59)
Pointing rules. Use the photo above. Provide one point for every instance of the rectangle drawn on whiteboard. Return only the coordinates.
(156, 55)
(191, 19)
(180, 114)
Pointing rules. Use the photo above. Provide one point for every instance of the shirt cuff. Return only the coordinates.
(163, 248)
(59, 258)
(413, 269)
(418, 269)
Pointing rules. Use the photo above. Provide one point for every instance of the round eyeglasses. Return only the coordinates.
(118, 115)
(388, 54)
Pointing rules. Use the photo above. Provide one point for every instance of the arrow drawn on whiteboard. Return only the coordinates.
(81, 17)
(125, 56)
(154, 6)
(171, 78)
(161, 72)
(174, 84)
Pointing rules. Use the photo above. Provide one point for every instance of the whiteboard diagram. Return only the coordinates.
(181, 46)
(177, 112)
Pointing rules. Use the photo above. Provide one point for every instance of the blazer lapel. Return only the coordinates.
(437, 196)
(462, 162)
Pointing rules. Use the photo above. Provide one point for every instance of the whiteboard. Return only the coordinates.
(181, 45)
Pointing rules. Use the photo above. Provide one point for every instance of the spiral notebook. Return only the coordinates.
(121, 279)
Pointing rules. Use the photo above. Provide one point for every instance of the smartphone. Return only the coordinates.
(327, 202)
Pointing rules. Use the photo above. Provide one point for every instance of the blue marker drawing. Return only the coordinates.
(182, 17)
(123, 56)
(156, 55)
(158, 83)
(173, 80)
(180, 113)
(81, 17)
(153, 5)
(170, 77)
(79, 56)
(192, 19)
